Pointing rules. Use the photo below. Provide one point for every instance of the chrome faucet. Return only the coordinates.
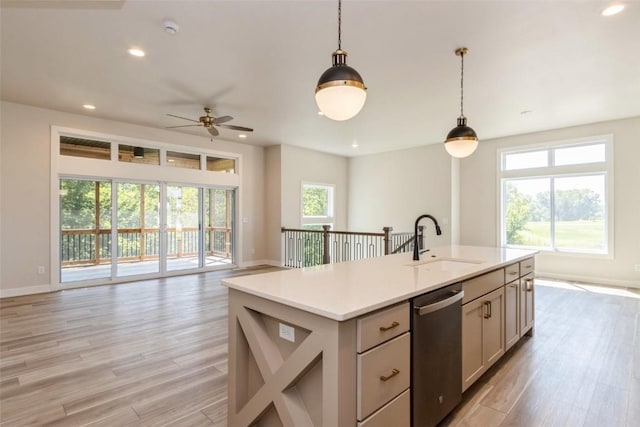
(416, 249)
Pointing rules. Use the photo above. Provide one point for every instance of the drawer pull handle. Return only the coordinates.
(529, 285)
(393, 373)
(528, 266)
(391, 326)
(513, 273)
(487, 309)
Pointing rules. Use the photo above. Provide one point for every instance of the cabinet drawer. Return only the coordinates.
(395, 413)
(511, 272)
(527, 266)
(382, 326)
(481, 285)
(383, 373)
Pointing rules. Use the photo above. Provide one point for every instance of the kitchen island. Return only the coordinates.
(329, 345)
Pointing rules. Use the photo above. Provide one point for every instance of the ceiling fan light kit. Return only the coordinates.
(340, 92)
(462, 140)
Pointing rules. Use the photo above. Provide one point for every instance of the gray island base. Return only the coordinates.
(331, 345)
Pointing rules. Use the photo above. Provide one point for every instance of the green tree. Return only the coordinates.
(315, 201)
(518, 214)
(578, 204)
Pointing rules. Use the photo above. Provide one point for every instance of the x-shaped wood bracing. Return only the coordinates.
(279, 375)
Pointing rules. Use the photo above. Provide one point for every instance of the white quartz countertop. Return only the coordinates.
(346, 290)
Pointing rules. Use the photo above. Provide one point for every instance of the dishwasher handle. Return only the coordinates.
(430, 308)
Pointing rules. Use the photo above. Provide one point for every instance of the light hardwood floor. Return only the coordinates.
(155, 353)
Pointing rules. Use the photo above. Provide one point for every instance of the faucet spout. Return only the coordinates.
(416, 249)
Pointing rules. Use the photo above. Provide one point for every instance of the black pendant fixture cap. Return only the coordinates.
(340, 74)
(462, 131)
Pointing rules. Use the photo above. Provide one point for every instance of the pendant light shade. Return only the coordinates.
(340, 92)
(462, 140)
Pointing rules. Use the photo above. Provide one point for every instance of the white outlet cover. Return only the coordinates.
(287, 332)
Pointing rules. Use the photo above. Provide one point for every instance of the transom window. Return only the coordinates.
(558, 197)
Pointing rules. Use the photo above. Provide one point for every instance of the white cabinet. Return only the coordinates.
(482, 334)
(511, 313)
(511, 305)
(383, 367)
(526, 304)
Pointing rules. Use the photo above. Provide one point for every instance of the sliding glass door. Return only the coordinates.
(219, 207)
(138, 228)
(157, 228)
(85, 230)
(184, 221)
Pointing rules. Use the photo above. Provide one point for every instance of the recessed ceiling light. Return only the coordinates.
(170, 27)
(612, 10)
(320, 113)
(242, 135)
(136, 52)
(89, 106)
(355, 144)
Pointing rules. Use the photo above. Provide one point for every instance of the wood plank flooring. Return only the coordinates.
(154, 353)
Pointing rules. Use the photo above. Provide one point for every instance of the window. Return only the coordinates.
(317, 205)
(558, 197)
(145, 155)
(220, 164)
(183, 160)
(81, 147)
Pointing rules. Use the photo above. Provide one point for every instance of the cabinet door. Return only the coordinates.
(472, 360)
(511, 314)
(526, 303)
(493, 327)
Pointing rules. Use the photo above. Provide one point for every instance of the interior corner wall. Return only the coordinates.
(273, 206)
(301, 165)
(479, 203)
(394, 188)
(25, 186)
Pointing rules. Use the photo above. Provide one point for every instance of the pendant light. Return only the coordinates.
(340, 93)
(462, 140)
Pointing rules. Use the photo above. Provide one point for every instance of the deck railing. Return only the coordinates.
(81, 247)
(305, 248)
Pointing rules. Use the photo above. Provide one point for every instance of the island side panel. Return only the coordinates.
(310, 381)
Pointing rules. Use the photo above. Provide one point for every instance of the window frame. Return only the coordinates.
(552, 172)
(318, 220)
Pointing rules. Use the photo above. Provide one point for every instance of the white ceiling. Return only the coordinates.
(259, 61)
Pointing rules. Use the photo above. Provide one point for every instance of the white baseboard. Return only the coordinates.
(27, 290)
(589, 279)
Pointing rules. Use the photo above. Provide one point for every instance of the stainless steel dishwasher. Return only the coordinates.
(436, 355)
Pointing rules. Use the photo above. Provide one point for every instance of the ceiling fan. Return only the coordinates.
(210, 123)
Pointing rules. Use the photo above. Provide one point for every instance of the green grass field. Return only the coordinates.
(569, 234)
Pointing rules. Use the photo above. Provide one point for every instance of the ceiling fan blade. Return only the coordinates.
(223, 119)
(183, 118)
(213, 131)
(182, 126)
(242, 128)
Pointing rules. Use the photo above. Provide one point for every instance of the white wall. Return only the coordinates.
(298, 165)
(394, 188)
(25, 186)
(273, 206)
(479, 205)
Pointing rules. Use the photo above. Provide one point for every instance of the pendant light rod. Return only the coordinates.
(339, 24)
(461, 52)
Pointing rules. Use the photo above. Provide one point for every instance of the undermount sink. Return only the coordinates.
(444, 263)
